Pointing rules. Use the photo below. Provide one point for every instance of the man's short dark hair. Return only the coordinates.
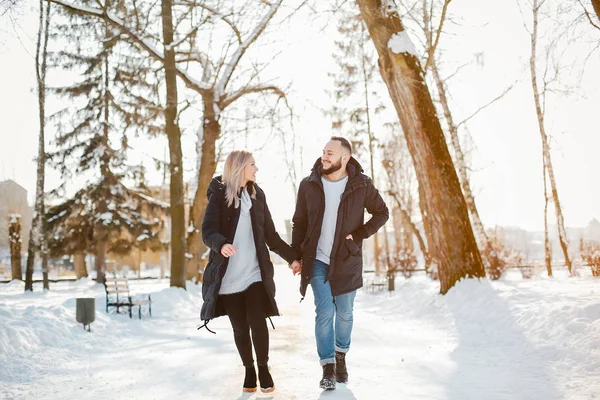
(345, 143)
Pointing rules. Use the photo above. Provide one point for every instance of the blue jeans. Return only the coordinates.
(330, 339)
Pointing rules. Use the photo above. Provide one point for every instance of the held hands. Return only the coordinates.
(296, 267)
(227, 250)
(349, 237)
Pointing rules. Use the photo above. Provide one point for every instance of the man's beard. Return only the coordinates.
(334, 167)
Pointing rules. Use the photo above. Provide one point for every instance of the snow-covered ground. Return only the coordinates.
(510, 339)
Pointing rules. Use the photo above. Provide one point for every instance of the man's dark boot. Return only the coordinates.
(341, 374)
(250, 380)
(328, 380)
(265, 379)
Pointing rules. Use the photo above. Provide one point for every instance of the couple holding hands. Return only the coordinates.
(327, 235)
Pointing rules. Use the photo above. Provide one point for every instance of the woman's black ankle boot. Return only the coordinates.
(250, 380)
(265, 379)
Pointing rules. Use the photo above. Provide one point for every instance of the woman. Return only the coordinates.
(238, 280)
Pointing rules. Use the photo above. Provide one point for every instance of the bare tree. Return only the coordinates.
(425, 16)
(220, 93)
(217, 85)
(442, 203)
(37, 237)
(539, 96)
(400, 174)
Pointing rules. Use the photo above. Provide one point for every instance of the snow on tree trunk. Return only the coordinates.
(443, 206)
(15, 243)
(79, 263)
(177, 194)
(562, 234)
(208, 166)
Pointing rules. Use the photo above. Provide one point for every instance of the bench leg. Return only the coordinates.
(140, 311)
(150, 309)
(130, 312)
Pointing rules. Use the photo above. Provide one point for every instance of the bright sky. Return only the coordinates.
(507, 166)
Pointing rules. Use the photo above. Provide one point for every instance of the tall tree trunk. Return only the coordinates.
(208, 166)
(459, 158)
(15, 242)
(139, 264)
(79, 263)
(37, 236)
(100, 254)
(177, 194)
(547, 248)
(562, 234)
(443, 206)
(100, 232)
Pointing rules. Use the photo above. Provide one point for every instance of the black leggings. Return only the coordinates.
(247, 310)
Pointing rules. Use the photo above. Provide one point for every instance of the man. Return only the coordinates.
(328, 232)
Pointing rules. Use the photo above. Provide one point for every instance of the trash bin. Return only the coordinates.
(86, 311)
(391, 279)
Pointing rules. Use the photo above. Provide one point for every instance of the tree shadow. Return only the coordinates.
(493, 358)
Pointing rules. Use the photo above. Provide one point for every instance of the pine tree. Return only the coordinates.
(116, 96)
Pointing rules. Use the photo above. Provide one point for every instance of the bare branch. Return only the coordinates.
(218, 14)
(248, 90)
(437, 35)
(487, 105)
(183, 39)
(235, 59)
(596, 5)
(6, 5)
(158, 55)
(456, 71)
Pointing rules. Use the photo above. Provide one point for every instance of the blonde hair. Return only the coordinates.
(233, 176)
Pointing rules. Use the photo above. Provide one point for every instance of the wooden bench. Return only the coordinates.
(376, 286)
(119, 297)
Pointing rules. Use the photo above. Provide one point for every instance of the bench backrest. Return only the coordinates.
(117, 288)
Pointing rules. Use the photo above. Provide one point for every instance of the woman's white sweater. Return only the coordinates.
(243, 269)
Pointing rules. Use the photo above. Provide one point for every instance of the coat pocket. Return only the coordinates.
(349, 250)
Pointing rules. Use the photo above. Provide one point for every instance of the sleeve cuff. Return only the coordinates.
(359, 234)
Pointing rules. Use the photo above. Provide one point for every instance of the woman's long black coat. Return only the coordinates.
(218, 227)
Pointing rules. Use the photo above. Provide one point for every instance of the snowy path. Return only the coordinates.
(503, 340)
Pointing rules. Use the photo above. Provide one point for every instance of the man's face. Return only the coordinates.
(333, 158)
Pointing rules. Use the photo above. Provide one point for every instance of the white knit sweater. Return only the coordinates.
(243, 269)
